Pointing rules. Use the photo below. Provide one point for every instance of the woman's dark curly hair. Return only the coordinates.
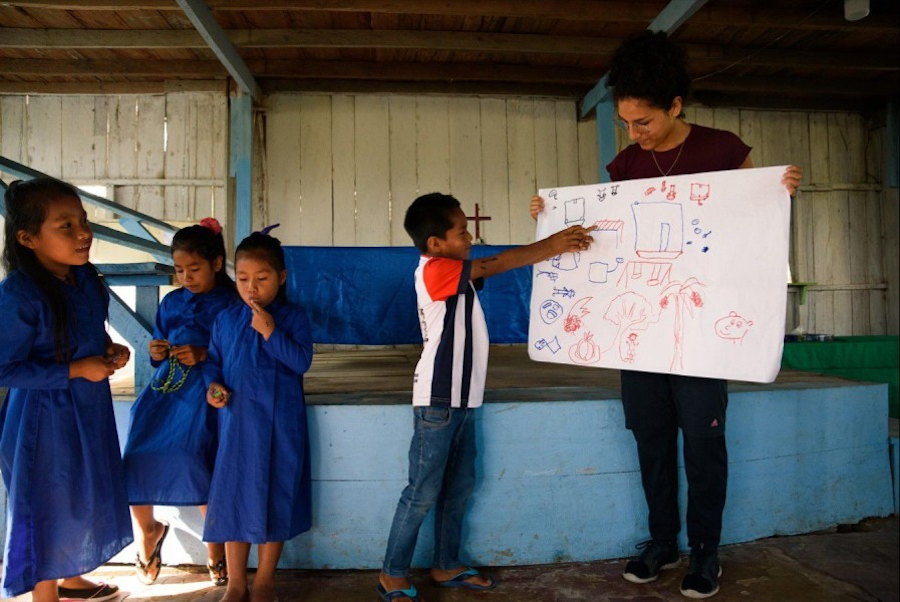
(649, 67)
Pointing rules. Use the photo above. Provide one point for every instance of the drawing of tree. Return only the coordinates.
(628, 311)
(686, 296)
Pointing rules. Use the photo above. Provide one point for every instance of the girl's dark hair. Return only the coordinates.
(203, 241)
(268, 249)
(651, 67)
(27, 206)
(429, 215)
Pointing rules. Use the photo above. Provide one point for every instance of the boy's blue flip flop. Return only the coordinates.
(460, 581)
(394, 594)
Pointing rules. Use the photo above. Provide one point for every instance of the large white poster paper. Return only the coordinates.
(686, 275)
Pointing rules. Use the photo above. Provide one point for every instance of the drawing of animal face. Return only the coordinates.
(550, 311)
(733, 327)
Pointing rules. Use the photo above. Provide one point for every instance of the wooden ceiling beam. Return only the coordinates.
(129, 87)
(790, 58)
(143, 87)
(783, 102)
(429, 72)
(601, 10)
(100, 38)
(309, 38)
(304, 69)
(350, 86)
(702, 54)
(137, 68)
(798, 86)
(883, 19)
(422, 72)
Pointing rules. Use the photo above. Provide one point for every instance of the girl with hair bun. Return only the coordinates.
(172, 433)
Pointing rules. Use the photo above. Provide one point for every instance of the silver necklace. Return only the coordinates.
(672, 166)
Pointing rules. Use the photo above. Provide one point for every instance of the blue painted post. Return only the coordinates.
(239, 164)
(606, 136)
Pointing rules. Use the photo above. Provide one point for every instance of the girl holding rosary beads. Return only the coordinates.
(172, 435)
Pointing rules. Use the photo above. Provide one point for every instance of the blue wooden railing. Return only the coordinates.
(135, 326)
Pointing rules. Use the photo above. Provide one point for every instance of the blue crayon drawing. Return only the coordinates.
(659, 229)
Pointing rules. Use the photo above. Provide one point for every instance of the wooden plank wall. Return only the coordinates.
(164, 155)
(342, 169)
(844, 226)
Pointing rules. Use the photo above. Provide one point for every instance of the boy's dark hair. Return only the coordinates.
(27, 205)
(651, 67)
(202, 241)
(267, 248)
(429, 215)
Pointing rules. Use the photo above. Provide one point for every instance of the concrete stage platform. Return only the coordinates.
(558, 478)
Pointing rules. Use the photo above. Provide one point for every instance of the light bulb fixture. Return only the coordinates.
(854, 10)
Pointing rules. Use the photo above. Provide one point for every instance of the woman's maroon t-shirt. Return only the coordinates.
(705, 149)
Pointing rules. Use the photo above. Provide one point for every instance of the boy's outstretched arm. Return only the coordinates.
(570, 240)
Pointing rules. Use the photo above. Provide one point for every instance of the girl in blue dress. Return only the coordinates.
(258, 353)
(67, 511)
(172, 435)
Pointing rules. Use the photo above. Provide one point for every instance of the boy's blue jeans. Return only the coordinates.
(441, 474)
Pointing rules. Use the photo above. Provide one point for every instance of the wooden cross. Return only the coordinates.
(477, 219)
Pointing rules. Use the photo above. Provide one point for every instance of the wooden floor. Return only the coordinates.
(385, 376)
(361, 376)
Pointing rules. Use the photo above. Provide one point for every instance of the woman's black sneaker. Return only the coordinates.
(702, 579)
(656, 556)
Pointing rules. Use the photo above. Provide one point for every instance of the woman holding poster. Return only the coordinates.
(649, 81)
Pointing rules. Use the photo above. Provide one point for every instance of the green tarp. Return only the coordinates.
(869, 358)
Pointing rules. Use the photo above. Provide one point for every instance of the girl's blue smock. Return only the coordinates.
(67, 510)
(172, 436)
(261, 483)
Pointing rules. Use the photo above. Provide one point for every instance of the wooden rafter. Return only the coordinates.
(322, 70)
(204, 22)
(603, 11)
(45, 67)
(699, 54)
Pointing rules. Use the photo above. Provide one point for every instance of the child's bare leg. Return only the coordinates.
(214, 551)
(45, 591)
(264, 581)
(236, 553)
(146, 535)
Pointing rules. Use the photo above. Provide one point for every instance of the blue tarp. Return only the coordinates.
(366, 295)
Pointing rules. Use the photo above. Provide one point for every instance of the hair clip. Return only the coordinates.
(265, 231)
(211, 223)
